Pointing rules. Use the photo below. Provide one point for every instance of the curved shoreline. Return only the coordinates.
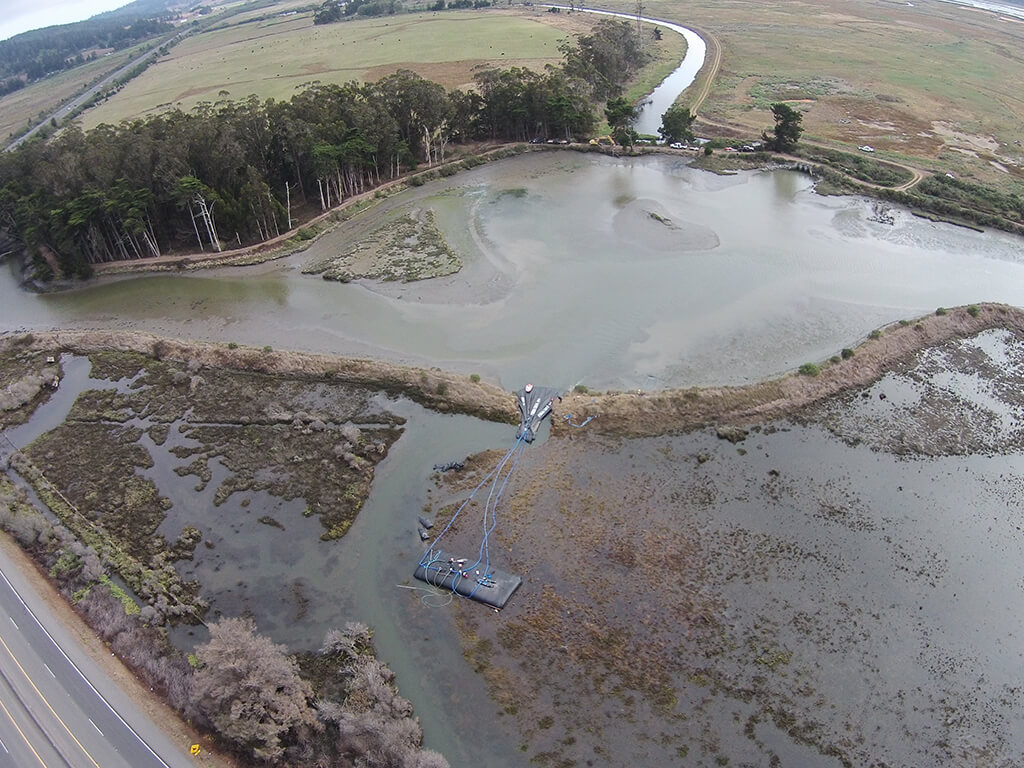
(677, 81)
(681, 78)
(627, 414)
(641, 414)
(433, 388)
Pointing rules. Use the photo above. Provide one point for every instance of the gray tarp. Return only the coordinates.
(492, 588)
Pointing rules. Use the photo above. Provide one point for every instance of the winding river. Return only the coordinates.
(664, 96)
(616, 272)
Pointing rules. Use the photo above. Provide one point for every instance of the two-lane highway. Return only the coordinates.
(52, 714)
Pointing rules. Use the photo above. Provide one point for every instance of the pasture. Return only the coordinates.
(44, 96)
(274, 57)
(923, 81)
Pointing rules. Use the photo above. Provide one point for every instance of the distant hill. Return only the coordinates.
(149, 9)
(35, 54)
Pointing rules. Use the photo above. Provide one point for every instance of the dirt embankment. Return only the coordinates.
(635, 414)
(632, 414)
(433, 388)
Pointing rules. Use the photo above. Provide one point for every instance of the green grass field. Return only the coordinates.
(44, 96)
(929, 82)
(275, 57)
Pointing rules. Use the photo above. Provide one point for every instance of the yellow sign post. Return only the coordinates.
(195, 749)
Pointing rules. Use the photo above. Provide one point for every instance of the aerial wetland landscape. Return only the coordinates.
(772, 513)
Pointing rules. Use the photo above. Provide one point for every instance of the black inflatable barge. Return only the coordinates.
(493, 588)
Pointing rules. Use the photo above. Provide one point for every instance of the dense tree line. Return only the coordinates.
(332, 10)
(234, 172)
(32, 55)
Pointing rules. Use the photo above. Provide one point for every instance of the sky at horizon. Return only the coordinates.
(17, 16)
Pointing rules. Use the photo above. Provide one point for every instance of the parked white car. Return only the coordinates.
(866, 148)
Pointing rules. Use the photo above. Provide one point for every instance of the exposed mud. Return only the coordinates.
(404, 248)
(636, 414)
(27, 376)
(777, 595)
(433, 388)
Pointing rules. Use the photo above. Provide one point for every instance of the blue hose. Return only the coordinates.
(568, 420)
(430, 559)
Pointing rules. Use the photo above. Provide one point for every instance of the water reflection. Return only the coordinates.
(618, 272)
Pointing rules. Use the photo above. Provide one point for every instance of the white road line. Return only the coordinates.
(96, 727)
(82, 674)
(4, 747)
(49, 670)
(14, 623)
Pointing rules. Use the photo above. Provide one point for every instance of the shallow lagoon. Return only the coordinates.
(618, 273)
(738, 277)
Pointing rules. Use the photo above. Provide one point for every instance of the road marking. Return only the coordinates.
(81, 674)
(4, 746)
(22, 734)
(14, 623)
(43, 698)
(96, 727)
(49, 670)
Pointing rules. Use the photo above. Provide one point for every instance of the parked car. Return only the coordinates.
(866, 148)
(676, 145)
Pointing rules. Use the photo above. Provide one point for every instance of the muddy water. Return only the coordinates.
(887, 588)
(809, 598)
(642, 273)
(297, 587)
(614, 272)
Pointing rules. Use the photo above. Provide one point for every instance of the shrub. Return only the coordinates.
(305, 233)
(442, 388)
(973, 310)
(707, 150)
(834, 359)
(232, 345)
(810, 369)
(417, 181)
(580, 389)
(875, 334)
(475, 378)
(277, 707)
(847, 353)
(940, 311)
(268, 348)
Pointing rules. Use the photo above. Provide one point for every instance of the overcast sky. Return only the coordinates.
(22, 15)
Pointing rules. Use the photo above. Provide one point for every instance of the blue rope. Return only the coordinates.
(485, 552)
(429, 553)
(568, 420)
(430, 558)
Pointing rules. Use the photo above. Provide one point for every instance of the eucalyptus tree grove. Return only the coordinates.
(231, 172)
